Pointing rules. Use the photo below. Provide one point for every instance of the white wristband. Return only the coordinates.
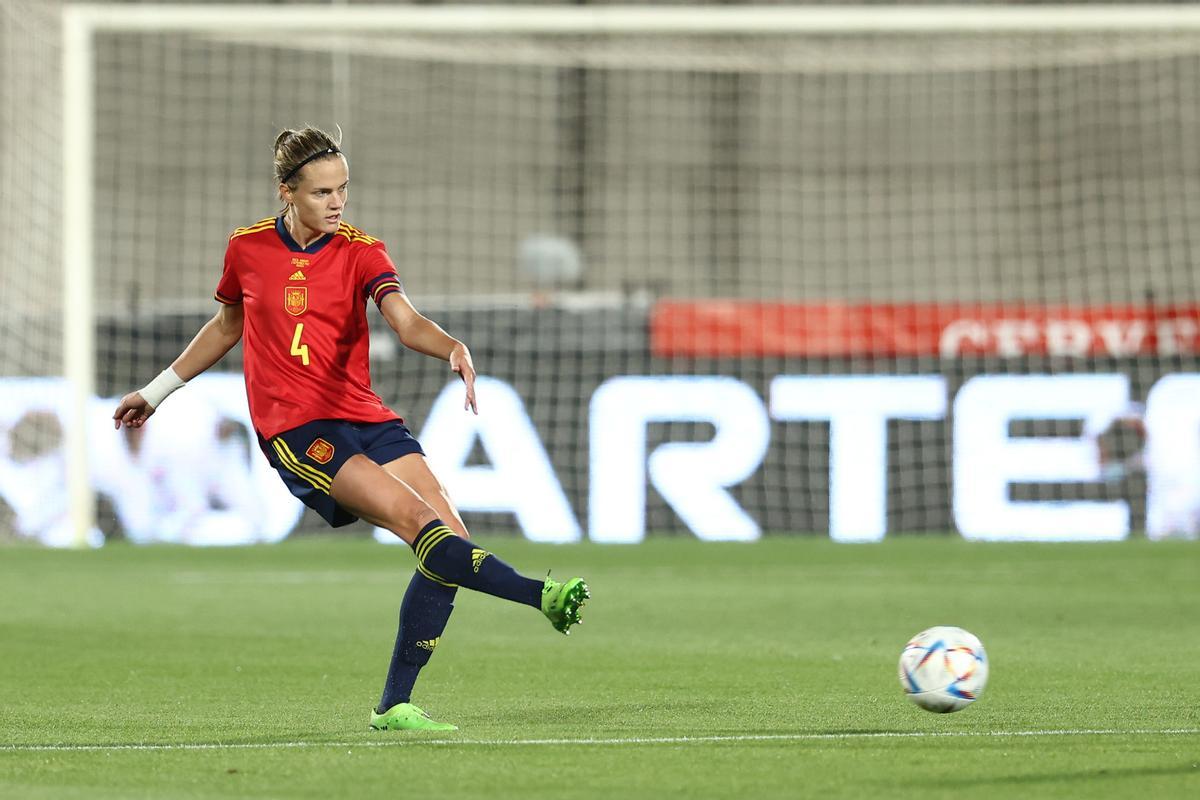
(157, 390)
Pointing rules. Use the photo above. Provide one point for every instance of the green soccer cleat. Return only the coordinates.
(407, 717)
(561, 602)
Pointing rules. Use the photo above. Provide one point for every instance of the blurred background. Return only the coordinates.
(883, 278)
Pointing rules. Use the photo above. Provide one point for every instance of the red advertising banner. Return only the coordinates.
(717, 328)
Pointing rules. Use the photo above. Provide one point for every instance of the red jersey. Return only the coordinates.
(305, 338)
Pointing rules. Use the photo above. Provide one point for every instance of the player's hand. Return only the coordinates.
(133, 411)
(460, 362)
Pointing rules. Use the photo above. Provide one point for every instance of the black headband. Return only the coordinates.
(328, 151)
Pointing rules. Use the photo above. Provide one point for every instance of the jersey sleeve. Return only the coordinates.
(229, 288)
(378, 274)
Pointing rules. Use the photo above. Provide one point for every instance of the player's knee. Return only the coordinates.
(408, 513)
(456, 521)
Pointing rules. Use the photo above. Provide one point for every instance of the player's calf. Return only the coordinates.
(423, 616)
(444, 556)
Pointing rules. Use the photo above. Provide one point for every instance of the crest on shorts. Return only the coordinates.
(320, 451)
(295, 300)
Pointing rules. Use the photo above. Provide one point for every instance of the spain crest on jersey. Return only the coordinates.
(295, 300)
(320, 451)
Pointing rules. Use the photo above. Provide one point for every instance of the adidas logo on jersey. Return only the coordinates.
(429, 644)
(298, 275)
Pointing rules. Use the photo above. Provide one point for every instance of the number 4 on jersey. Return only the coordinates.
(299, 350)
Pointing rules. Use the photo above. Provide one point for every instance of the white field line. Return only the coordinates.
(391, 741)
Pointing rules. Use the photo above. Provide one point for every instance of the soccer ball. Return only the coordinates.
(943, 669)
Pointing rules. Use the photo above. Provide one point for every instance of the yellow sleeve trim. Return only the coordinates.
(353, 234)
(261, 225)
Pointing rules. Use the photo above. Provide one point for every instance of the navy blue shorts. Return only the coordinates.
(308, 457)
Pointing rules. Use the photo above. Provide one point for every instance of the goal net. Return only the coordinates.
(725, 272)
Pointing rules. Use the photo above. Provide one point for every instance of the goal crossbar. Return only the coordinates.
(631, 19)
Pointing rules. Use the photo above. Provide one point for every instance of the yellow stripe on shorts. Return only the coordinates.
(306, 473)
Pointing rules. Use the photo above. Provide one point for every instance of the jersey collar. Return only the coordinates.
(293, 245)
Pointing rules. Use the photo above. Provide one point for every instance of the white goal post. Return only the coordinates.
(81, 23)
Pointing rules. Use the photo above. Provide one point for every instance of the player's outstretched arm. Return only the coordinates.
(422, 334)
(215, 339)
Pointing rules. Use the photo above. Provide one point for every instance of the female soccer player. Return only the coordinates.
(294, 290)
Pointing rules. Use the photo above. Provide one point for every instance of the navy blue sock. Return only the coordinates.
(444, 556)
(423, 616)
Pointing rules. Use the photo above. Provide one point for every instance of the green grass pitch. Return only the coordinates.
(702, 670)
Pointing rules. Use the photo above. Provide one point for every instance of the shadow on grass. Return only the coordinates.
(1068, 777)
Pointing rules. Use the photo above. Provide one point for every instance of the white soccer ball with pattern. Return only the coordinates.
(943, 669)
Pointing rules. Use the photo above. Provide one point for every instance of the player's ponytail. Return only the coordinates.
(295, 148)
(283, 136)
